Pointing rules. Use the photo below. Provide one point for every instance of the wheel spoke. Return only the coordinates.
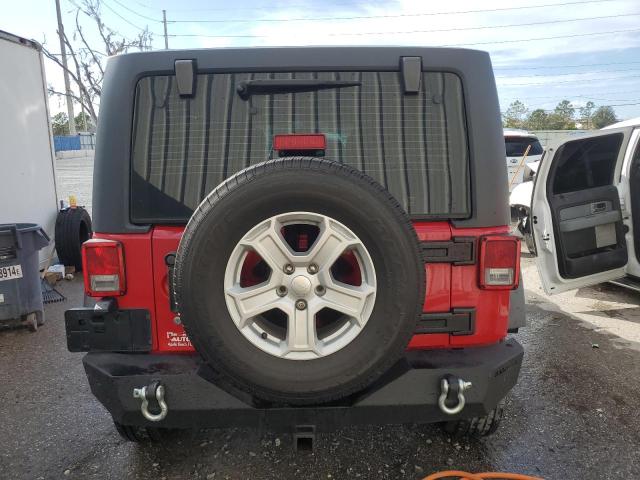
(330, 244)
(348, 299)
(253, 301)
(301, 331)
(267, 242)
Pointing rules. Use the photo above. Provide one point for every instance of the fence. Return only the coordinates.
(82, 141)
(549, 138)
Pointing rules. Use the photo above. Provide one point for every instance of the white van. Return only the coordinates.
(516, 143)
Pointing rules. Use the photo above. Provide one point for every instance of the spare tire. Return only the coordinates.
(299, 280)
(73, 228)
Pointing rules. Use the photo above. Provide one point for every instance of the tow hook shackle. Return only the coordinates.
(450, 388)
(152, 392)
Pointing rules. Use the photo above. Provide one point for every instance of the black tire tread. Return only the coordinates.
(67, 235)
(476, 427)
(246, 176)
(137, 434)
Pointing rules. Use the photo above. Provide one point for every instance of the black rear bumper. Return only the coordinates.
(407, 394)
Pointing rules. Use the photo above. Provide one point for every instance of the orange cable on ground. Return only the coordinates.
(458, 474)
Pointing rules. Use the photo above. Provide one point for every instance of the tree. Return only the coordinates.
(562, 116)
(84, 122)
(86, 65)
(60, 124)
(537, 120)
(603, 117)
(515, 115)
(586, 113)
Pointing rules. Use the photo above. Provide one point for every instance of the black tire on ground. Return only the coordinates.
(288, 185)
(476, 427)
(73, 228)
(137, 434)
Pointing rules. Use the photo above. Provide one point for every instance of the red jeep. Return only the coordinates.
(300, 238)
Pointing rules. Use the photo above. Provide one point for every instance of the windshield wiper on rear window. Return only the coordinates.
(265, 87)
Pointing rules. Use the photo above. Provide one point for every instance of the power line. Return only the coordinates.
(449, 45)
(618, 105)
(568, 81)
(546, 67)
(568, 73)
(138, 14)
(634, 92)
(483, 27)
(252, 8)
(72, 2)
(123, 18)
(546, 108)
(544, 38)
(442, 30)
(366, 17)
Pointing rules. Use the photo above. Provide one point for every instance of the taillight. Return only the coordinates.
(300, 143)
(103, 265)
(499, 262)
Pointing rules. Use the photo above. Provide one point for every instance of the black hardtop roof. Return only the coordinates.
(325, 57)
(489, 193)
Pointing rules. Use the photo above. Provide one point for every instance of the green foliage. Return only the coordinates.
(537, 120)
(562, 117)
(586, 113)
(60, 124)
(84, 123)
(603, 117)
(515, 115)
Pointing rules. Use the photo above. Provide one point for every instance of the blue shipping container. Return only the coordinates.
(66, 142)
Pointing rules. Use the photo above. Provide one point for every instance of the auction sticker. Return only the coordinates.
(11, 272)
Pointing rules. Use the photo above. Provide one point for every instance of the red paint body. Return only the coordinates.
(448, 287)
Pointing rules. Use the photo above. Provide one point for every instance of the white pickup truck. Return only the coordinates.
(520, 168)
(584, 219)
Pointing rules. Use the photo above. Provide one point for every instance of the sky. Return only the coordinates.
(543, 51)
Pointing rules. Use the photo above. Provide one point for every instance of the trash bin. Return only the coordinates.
(20, 293)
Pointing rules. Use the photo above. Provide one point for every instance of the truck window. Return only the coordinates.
(516, 146)
(586, 163)
(414, 145)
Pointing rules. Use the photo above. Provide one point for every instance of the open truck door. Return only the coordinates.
(577, 220)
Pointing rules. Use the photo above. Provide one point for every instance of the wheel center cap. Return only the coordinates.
(301, 285)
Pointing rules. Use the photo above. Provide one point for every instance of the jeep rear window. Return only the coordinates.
(413, 144)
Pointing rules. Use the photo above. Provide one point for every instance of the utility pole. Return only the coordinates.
(164, 21)
(67, 87)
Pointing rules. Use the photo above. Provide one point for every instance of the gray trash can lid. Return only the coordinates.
(41, 238)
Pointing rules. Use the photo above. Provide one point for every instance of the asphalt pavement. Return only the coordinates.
(573, 414)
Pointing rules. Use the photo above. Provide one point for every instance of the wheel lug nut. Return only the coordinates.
(312, 269)
(281, 291)
(301, 304)
(320, 290)
(288, 269)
